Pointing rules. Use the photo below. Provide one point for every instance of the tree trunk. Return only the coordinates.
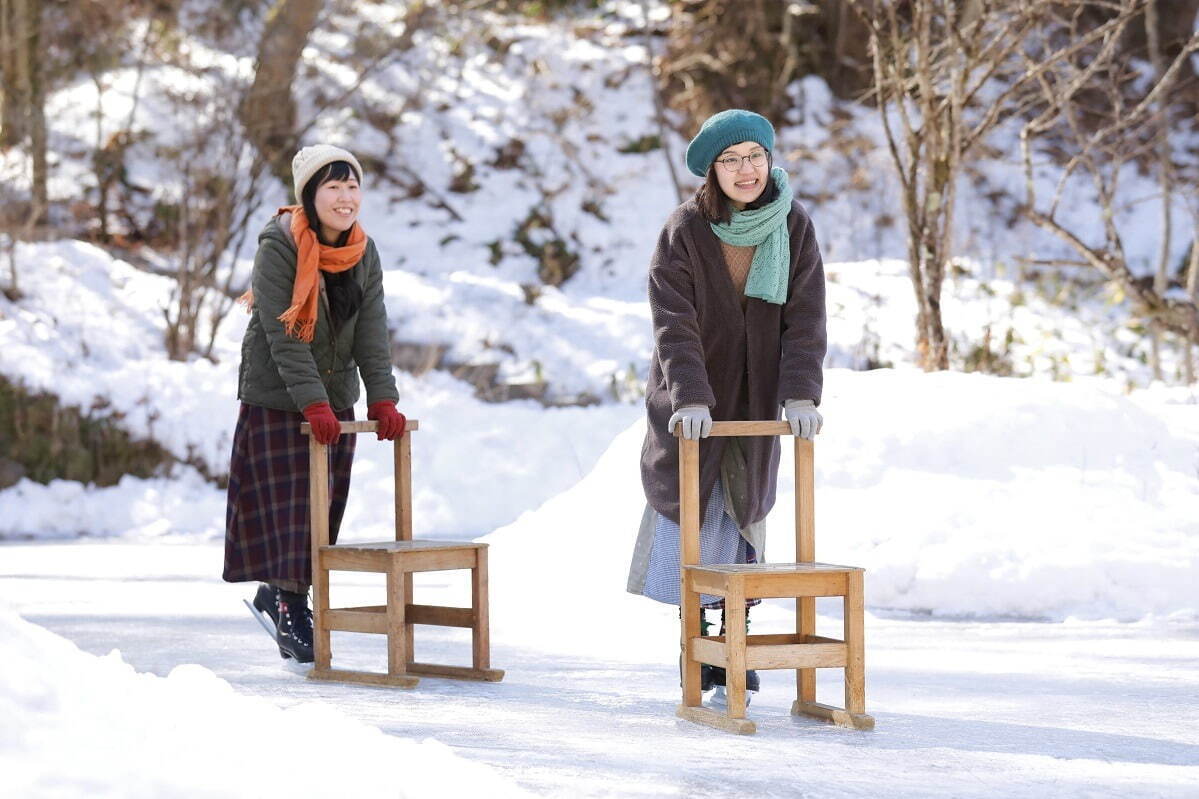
(937, 356)
(23, 115)
(1192, 289)
(37, 111)
(931, 344)
(659, 111)
(848, 41)
(269, 110)
(13, 290)
(1161, 276)
(936, 144)
(14, 99)
(916, 273)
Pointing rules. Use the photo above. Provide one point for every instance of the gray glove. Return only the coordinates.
(696, 419)
(803, 417)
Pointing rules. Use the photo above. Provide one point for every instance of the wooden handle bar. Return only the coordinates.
(361, 427)
(734, 429)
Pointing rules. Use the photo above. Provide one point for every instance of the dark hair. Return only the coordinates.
(714, 204)
(344, 293)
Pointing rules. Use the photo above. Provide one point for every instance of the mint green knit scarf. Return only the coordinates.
(766, 229)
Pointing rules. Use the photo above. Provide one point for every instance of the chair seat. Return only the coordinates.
(768, 568)
(771, 580)
(401, 546)
(413, 556)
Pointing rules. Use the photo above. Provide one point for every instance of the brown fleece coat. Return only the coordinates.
(742, 365)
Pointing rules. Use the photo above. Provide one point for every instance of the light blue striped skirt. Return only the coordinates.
(720, 541)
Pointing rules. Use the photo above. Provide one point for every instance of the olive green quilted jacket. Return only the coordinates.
(284, 373)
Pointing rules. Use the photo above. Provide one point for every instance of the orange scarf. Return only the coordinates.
(312, 257)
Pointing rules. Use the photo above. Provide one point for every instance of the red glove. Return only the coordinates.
(391, 422)
(325, 427)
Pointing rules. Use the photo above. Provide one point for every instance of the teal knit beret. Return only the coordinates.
(723, 130)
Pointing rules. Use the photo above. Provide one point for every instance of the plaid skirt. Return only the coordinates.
(267, 519)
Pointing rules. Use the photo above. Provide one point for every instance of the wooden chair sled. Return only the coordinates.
(398, 559)
(803, 580)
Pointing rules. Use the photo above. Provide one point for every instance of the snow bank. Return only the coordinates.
(476, 465)
(79, 725)
(963, 495)
(976, 495)
(186, 505)
(90, 330)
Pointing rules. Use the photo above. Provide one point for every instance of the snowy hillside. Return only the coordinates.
(524, 135)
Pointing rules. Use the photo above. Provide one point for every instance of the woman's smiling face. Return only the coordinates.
(747, 182)
(337, 203)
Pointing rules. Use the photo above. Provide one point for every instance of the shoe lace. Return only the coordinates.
(307, 615)
(298, 624)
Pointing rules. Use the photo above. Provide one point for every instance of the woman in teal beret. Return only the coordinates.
(736, 292)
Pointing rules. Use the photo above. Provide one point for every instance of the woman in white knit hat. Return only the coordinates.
(317, 322)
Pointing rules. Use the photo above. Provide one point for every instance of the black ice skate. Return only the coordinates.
(265, 609)
(294, 628)
(266, 602)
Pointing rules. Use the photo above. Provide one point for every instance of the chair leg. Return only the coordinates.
(734, 647)
(409, 627)
(805, 624)
(318, 508)
(322, 654)
(397, 633)
(480, 634)
(402, 452)
(690, 613)
(855, 664)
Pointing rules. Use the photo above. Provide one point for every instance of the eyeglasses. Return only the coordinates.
(732, 163)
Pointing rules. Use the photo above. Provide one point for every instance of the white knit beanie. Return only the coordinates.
(310, 159)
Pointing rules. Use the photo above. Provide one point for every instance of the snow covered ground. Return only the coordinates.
(80, 725)
(980, 506)
(963, 708)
